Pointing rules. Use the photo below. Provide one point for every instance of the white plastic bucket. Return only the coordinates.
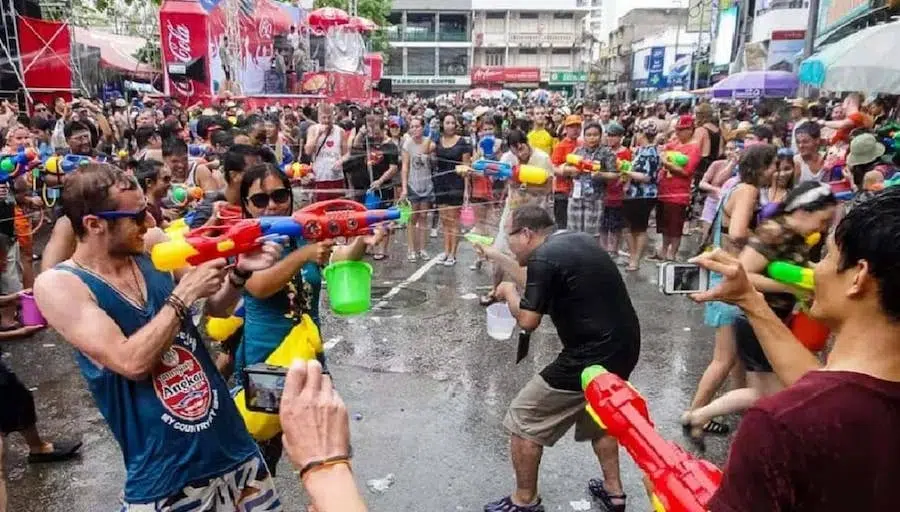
(500, 322)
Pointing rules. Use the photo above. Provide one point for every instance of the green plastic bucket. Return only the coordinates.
(349, 287)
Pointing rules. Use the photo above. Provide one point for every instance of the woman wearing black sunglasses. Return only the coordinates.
(276, 299)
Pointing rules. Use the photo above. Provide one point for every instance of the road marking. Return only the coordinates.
(406, 282)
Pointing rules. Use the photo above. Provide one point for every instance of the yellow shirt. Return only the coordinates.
(541, 139)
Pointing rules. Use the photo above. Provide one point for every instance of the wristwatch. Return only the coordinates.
(238, 277)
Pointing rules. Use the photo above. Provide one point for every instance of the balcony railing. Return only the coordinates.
(419, 36)
(453, 36)
(553, 39)
(394, 34)
(419, 70)
(453, 70)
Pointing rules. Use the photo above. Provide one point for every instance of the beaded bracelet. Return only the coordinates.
(319, 464)
(178, 305)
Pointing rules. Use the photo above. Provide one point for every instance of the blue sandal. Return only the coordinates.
(599, 492)
(506, 505)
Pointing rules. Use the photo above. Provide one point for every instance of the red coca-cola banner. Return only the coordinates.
(185, 51)
(505, 75)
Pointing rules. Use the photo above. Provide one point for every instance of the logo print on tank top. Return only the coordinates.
(181, 385)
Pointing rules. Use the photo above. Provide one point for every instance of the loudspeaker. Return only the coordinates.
(385, 86)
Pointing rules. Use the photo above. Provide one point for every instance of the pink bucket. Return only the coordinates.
(29, 314)
(467, 216)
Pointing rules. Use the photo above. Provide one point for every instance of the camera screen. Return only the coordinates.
(264, 390)
(686, 278)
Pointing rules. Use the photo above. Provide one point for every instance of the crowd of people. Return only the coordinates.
(797, 181)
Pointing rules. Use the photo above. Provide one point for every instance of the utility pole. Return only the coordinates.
(812, 24)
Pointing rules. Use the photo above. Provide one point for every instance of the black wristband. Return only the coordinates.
(242, 274)
(178, 305)
(340, 459)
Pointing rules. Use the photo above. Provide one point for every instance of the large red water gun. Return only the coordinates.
(317, 222)
(681, 482)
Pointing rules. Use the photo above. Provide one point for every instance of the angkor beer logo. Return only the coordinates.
(181, 385)
(179, 41)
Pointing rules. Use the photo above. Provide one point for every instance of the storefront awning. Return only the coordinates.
(116, 52)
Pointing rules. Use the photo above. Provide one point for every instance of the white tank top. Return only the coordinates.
(324, 160)
(806, 174)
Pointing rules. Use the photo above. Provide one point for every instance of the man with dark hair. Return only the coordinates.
(239, 158)
(808, 162)
(184, 444)
(563, 272)
(78, 136)
(783, 455)
(192, 174)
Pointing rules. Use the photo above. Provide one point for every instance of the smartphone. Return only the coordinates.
(682, 278)
(264, 384)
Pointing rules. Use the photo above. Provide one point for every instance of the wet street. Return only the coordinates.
(426, 389)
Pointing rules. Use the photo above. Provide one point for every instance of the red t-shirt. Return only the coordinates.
(677, 189)
(830, 442)
(560, 151)
(860, 120)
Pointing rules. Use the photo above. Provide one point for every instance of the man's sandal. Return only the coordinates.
(506, 505)
(599, 493)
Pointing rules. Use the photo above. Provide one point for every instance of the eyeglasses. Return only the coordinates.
(139, 216)
(278, 196)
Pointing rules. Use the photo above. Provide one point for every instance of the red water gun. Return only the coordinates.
(583, 164)
(317, 222)
(681, 482)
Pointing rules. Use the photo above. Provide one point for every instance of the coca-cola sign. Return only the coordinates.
(179, 41)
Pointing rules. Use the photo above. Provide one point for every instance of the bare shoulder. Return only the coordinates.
(57, 290)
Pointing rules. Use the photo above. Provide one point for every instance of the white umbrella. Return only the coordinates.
(675, 95)
(508, 95)
(863, 61)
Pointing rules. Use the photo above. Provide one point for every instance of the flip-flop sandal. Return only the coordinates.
(506, 505)
(629, 268)
(11, 327)
(716, 428)
(62, 450)
(696, 438)
(599, 493)
(379, 257)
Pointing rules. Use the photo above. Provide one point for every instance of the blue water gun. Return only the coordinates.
(198, 150)
(487, 144)
(65, 164)
(12, 166)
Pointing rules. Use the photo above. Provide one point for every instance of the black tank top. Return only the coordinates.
(715, 138)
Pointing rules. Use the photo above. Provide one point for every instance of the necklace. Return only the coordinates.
(137, 292)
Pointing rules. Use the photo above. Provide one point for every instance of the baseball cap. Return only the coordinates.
(572, 120)
(394, 121)
(615, 129)
(685, 121)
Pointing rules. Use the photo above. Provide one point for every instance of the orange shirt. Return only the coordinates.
(560, 151)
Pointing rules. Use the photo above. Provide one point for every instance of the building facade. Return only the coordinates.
(526, 43)
(430, 45)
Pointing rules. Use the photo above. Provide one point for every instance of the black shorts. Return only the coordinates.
(16, 403)
(749, 350)
(448, 197)
(637, 213)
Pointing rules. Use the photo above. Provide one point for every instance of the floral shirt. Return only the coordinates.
(584, 185)
(646, 161)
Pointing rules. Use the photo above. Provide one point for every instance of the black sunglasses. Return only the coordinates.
(278, 196)
(139, 216)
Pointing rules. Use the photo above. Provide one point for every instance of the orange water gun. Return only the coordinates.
(583, 164)
(296, 170)
(681, 482)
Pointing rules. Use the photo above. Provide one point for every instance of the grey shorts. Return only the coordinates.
(11, 278)
(542, 414)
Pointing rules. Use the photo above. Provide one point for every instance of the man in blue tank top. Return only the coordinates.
(184, 445)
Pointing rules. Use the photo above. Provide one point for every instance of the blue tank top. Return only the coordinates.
(179, 425)
(268, 321)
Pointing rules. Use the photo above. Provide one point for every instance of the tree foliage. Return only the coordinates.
(375, 10)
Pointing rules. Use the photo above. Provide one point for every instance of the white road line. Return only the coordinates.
(406, 282)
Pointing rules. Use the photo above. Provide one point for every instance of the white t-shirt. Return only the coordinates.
(294, 40)
(325, 158)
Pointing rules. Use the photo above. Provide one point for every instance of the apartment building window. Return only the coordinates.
(420, 27)
(495, 58)
(562, 22)
(394, 26)
(528, 57)
(420, 61)
(527, 23)
(453, 61)
(495, 22)
(394, 62)
(454, 27)
(561, 58)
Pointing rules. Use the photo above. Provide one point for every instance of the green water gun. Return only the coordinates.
(479, 239)
(794, 275)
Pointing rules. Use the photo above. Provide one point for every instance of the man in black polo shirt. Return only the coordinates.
(568, 276)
